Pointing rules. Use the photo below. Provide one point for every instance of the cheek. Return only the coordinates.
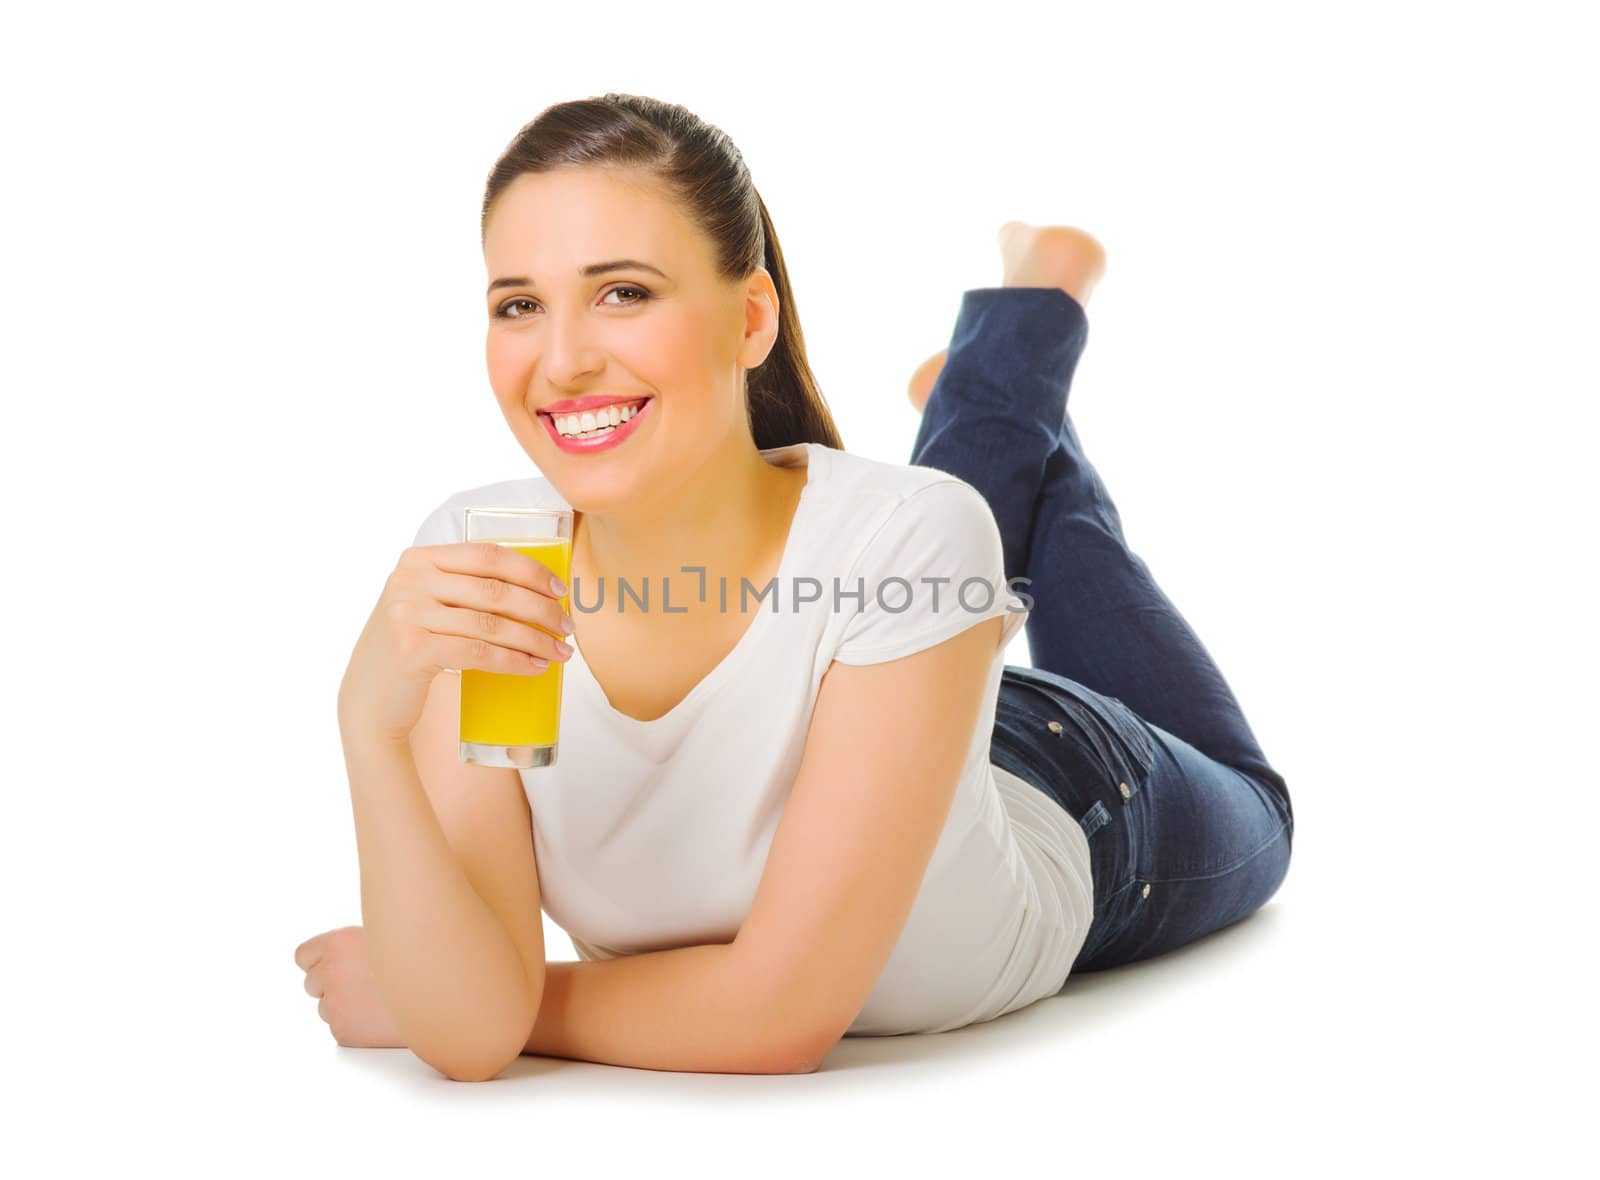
(508, 367)
(661, 355)
(672, 358)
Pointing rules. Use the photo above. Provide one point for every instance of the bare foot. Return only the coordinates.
(1033, 256)
(1051, 256)
(922, 380)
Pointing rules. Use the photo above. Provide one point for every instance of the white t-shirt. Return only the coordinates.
(653, 834)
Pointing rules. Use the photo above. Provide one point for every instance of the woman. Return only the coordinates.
(835, 813)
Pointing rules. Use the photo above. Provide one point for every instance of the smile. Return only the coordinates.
(595, 430)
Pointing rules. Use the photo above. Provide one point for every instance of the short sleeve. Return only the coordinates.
(442, 526)
(934, 568)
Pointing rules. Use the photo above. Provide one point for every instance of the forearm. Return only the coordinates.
(449, 973)
(685, 1009)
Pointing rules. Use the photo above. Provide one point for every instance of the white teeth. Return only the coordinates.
(593, 423)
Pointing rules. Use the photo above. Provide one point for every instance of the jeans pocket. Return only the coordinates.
(1094, 819)
(1130, 752)
(1111, 734)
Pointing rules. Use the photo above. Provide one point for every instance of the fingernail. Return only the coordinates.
(567, 627)
(564, 648)
(557, 586)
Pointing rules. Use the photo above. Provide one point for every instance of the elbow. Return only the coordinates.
(477, 1059)
(792, 1035)
(819, 1049)
(803, 1058)
(800, 1050)
(473, 1071)
(482, 1066)
(787, 1030)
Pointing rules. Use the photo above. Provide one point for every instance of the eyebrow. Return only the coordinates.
(594, 268)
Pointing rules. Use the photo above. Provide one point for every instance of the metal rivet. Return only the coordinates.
(1055, 727)
(1145, 892)
(1123, 787)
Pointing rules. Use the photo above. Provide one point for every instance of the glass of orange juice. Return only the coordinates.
(508, 718)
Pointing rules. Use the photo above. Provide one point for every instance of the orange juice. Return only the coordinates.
(508, 709)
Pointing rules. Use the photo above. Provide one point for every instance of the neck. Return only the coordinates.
(731, 517)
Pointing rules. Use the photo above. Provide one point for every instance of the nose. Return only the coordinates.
(570, 350)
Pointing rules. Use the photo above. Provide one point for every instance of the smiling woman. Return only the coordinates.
(602, 291)
(836, 811)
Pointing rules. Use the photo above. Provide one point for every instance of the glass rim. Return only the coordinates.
(534, 524)
(482, 510)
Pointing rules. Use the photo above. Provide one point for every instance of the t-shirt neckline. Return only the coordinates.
(725, 668)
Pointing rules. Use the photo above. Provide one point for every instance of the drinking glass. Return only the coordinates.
(508, 718)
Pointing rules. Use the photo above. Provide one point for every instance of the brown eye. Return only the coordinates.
(503, 310)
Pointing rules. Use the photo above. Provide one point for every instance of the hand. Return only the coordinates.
(337, 971)
(473, 604)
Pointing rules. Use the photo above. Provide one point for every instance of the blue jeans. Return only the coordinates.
(1124, 719)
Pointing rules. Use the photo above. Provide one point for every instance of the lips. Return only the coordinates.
(600, 442)
(579, 405)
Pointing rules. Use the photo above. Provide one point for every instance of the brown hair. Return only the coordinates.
(704, 173)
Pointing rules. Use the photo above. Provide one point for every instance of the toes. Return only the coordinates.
(922, 381)
(1008, 230)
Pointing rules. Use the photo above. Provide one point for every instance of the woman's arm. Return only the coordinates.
(691, 1009)
(857, 834)
(449, 879)
(450, 973)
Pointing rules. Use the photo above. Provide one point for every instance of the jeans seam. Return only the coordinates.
(1119, 891)
(1108, 934)
(1224, 871)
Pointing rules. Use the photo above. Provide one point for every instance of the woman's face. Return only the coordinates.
(679, 338)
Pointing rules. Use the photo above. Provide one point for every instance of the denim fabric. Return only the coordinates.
(1124, 720)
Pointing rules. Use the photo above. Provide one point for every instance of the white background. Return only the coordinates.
(1339, 380)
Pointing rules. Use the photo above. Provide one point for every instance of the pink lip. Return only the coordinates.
(588, 446)
(578, 405)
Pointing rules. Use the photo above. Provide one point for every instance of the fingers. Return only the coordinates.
(486, 640)
(309, 952)
(500, 597)
(308, 957)
(486, 559)
(495, 595)
(488, 606)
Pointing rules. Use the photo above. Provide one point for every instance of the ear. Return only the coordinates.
(760, 318)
